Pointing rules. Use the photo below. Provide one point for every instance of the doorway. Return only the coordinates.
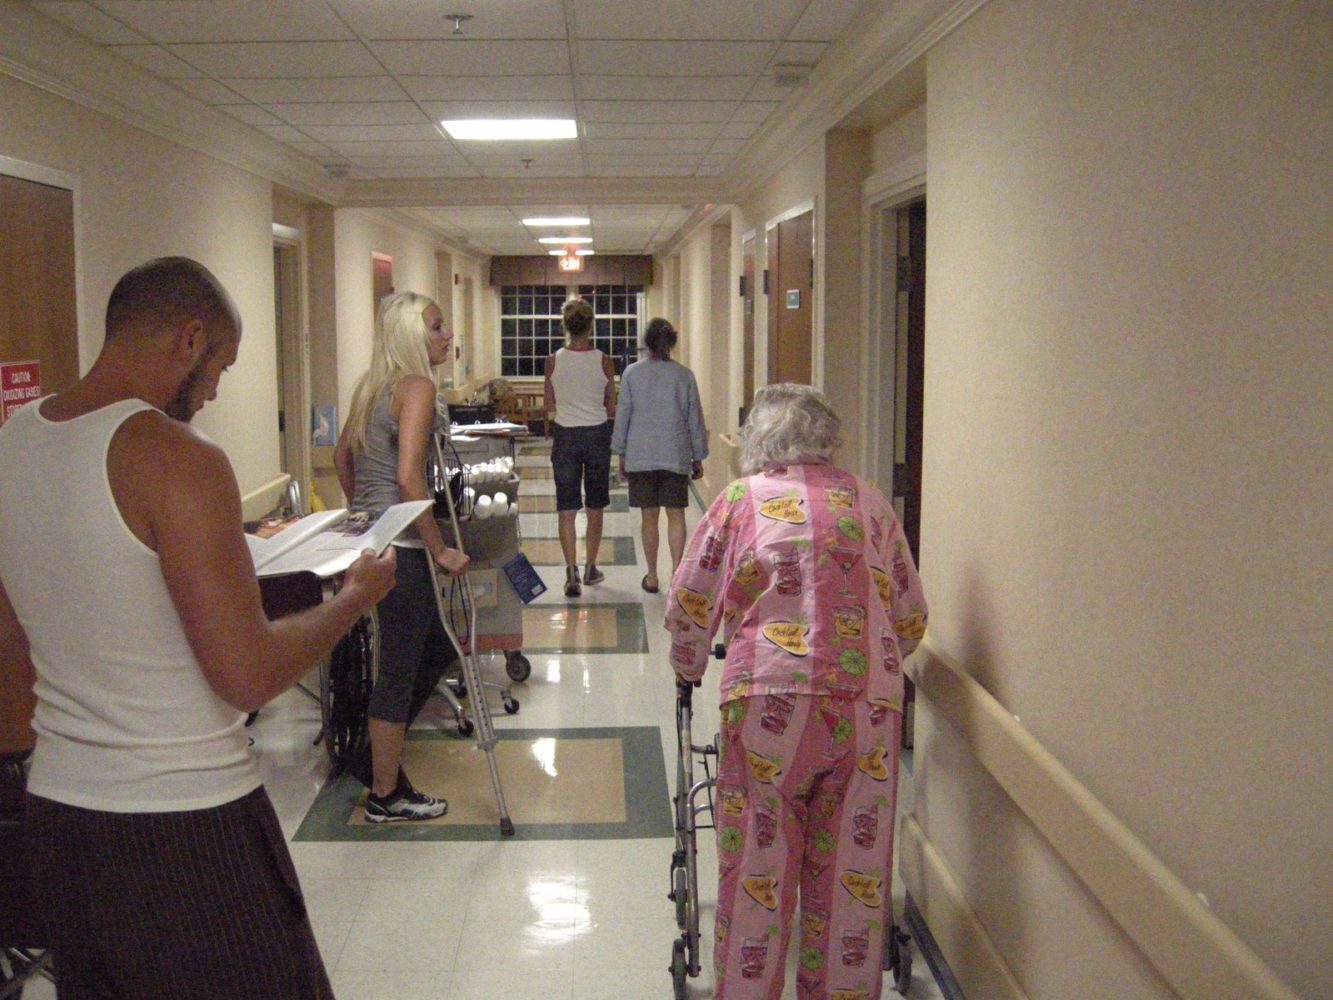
(293, 364)
(381, 282)
(747, 326)
(789, 283)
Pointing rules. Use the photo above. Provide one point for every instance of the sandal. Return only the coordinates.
(644, 584)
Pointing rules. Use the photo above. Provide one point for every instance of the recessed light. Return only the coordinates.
(557, 220)
(512, 128)
(565, 240)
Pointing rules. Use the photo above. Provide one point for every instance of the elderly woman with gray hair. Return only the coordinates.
(807, 572)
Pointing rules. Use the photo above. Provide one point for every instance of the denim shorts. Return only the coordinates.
(581, 461)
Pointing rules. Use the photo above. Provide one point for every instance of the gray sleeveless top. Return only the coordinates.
(377, 465)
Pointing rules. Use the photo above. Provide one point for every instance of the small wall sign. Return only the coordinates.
(793, 298)
(20, 383)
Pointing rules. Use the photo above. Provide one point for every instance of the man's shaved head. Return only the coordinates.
(167, 292)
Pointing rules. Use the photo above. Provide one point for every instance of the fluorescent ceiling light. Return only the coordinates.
(557, 220)
(565, 253)
(584, 253)
(512, 128)
(565, 240)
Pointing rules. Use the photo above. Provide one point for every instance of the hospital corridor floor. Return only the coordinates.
(574, 905)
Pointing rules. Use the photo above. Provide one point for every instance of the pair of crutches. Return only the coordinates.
(467, 658)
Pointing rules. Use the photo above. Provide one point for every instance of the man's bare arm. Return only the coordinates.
(196, 528)
(16, 674)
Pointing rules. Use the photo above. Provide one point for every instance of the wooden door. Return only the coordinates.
(381, 279)
(38, 310)
(790, 291)
(38, 322)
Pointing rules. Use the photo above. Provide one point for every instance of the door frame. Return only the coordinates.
(882, 194)
(816, 319)
(293, 341)
(40, 174)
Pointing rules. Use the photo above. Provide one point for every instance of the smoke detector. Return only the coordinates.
(791, 74)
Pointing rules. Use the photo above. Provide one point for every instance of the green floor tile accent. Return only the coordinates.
(614, 551)
(631, 631)
(647, 800)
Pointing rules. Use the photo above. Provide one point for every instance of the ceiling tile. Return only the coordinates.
(362, 113)
(553, 147)
(85, 19)
(280, 59)
(702, 19)
(650, 88)
(738, 130)
(251, 114)
(406, 148)
(488, 88)
(472, 57)
(398, 19)
(208, 91)
(639, 58)
(800, 52)
(449, 169)
(423, 132)
(828, 19)
(659, 111)
(440, 110)
(283, 133)
(357, 89)
(636, 168)
(645, 130)
(156, 60)
(229, 20)
(753, 111)
(646, 147)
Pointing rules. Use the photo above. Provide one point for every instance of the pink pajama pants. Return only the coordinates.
(806, 792)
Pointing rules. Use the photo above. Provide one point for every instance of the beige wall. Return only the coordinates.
(900, 139)
(141, 197)
(1126, 528)
(358, 234)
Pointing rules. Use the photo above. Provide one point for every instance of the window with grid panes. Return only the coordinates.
(530, 327)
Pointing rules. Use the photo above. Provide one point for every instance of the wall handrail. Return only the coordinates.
(1199, 955)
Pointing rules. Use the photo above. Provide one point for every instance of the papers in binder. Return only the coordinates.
(327, 542)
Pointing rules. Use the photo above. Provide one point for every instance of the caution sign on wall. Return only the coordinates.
(20, 382)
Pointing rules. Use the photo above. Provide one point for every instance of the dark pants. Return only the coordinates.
(196, 905)
(415, 651)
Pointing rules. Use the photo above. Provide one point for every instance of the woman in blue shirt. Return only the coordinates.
(661, 440)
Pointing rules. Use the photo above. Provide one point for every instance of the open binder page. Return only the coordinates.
(331, 551)
(265, 550)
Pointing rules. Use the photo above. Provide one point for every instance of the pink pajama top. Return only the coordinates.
(807, 572)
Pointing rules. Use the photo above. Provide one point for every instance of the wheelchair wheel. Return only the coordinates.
(345, 685)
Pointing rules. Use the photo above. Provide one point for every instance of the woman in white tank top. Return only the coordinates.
(580, 393)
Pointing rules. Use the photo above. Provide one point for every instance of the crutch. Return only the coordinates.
(484, 731)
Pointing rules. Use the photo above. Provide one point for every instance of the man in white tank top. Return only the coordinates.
(125, 578)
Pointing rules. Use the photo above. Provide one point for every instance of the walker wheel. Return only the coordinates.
(678, 968)
(517, 666)
(510, 704)
(465, 727)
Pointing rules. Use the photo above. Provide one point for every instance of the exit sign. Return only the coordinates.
(569, 262)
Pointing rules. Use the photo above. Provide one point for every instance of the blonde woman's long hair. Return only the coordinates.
(399, 349)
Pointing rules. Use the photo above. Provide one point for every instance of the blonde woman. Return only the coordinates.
(381, 460)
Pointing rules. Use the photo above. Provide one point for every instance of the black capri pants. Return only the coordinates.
(415, 651)
(581, 461)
